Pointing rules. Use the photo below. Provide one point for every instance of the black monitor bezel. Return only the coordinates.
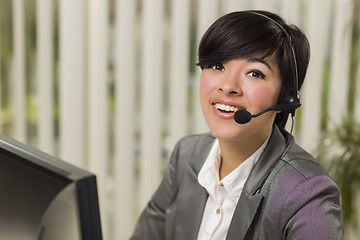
(86, 185)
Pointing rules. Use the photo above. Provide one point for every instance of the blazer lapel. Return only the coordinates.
(192, 196)
(244, 215)
(191, 204)
(252, 194)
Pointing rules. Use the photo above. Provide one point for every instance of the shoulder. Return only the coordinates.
(302, 164)
(299, 179)
(197, 140)
(191, 150)
(297, 167)
(193, 145)
(300, 190)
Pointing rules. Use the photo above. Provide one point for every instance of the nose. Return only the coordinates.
(230, 85)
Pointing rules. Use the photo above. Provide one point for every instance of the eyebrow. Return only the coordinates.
(261, 60)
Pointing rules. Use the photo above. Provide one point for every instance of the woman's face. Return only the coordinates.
(248, 83)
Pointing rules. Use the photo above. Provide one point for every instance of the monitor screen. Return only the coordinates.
(43, 197)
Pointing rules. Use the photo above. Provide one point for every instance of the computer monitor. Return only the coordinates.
(43, 197)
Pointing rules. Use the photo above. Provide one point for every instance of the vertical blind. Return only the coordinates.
(116, 85)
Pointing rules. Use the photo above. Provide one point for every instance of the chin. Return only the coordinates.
(227, 132)
(232, 131)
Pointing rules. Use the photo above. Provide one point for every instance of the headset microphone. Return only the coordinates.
(242, 116)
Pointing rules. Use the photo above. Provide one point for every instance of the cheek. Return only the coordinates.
(206, 85)
(264, 96)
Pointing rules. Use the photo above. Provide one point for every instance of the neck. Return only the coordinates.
(234, 153)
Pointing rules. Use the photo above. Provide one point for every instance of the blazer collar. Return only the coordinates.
(251, 196)
(267, 160)
(200, 155)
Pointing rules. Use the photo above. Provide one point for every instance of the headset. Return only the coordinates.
(292, 102)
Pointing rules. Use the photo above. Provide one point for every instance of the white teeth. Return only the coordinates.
(226, 108)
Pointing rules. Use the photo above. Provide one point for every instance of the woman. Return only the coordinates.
(248, 180)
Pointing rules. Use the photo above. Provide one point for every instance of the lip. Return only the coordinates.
(225, 114)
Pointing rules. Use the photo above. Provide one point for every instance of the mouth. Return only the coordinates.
(226, 108)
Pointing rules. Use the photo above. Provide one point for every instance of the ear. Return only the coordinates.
(287, 107)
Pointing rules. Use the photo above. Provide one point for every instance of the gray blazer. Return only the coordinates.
(288, 195)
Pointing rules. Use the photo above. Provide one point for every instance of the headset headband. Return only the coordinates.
(296, 97)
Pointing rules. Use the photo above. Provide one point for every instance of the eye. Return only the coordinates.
(217, 67)
(256, 74)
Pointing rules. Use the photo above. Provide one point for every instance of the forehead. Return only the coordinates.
(268, 56)
(269, 61)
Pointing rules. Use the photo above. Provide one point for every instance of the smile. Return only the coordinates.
(226, 108)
